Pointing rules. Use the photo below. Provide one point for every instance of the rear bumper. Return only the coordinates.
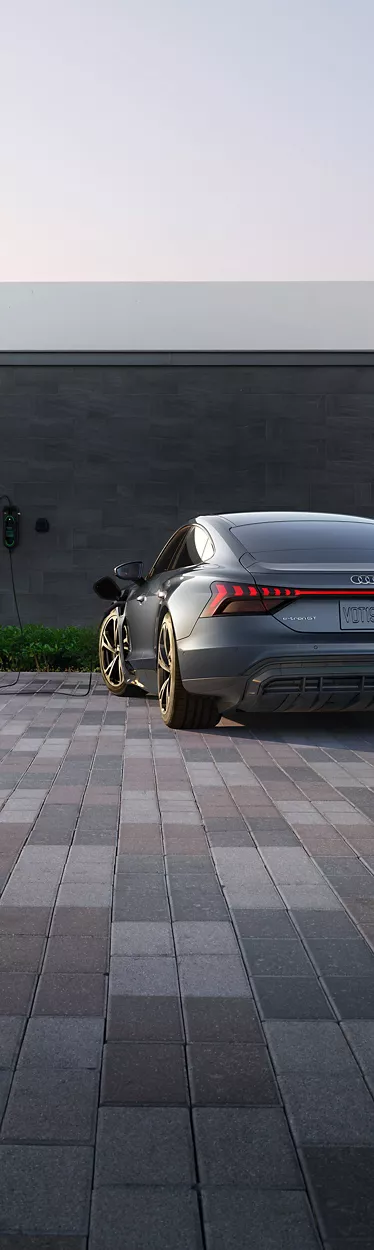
(333, 685)
(293, 687)
(265, 667)
(275, 684)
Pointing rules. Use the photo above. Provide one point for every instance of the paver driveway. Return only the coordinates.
(186, 1059)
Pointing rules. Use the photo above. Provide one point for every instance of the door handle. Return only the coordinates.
(140, 598)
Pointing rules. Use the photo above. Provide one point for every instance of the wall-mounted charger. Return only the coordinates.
(11, 516)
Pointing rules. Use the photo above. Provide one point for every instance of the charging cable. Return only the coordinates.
(69, 694)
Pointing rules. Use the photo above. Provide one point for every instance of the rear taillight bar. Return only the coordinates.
(281, 592)
(239, 598)
(231, 597)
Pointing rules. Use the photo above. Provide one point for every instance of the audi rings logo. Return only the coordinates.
(363, 579)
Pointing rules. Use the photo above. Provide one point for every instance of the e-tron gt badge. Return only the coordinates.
(363, 579)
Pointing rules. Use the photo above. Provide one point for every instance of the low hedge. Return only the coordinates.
(41, 649)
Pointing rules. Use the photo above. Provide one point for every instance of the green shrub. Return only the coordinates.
(44, 650)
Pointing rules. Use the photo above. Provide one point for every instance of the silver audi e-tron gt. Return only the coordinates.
(267, 611)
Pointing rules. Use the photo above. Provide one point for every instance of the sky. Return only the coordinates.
(186, 140)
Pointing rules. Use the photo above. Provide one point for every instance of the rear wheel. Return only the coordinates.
(110, 656)
(179, 709)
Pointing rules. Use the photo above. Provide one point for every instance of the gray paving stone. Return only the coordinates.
(242, 865)
(222, 1020)
(360, 1035)
(45, 1189)
(70, 994)
(151, 974)
(41, 1243)
(62, 1043)
(231, 1074)
(277, 957)
(77, 953)
(5, 1082)
(11, 1030)
(340, 958)
(149, 1219)
(144, 1073)
(291, 866)
(16, 990)
(341, 1180)
(141, 898)
(273, 837)
(312, 897)
(191, 904)
(135, 864)
(20, 952)
(51, 1106)
(154, 1019)
(324, 925)
(353, 997)
(349, 879)
(194, 867)
(230, 837)
(333, 1109)
(308, 1046)
(219, 824)
(144, 1146)
(222, 976)
(82, 894)
(256, 924)
(205, 938)
(258, 1221)
(291, 998)
(141, 938)
(30, 893)
(246, 1146)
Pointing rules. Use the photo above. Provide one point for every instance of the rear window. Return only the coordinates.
(316, 540)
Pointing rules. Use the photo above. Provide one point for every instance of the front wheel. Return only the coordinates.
(109, 654)
(179, 709)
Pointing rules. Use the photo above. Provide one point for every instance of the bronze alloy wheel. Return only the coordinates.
(109, 654)
(165, 666)
(179, 710)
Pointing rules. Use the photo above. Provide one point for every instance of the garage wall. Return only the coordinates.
(117, 450)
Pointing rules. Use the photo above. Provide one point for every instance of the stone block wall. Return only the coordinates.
(117, 451)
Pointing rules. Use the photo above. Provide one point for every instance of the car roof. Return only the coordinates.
(252, 518)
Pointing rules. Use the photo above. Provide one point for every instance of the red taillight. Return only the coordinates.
(273, 596)
(228, 598)
(273, 593)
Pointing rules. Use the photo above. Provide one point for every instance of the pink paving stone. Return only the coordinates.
(136, 840)
(97, 796)
(65, 794)
(262, 800)
(188, 847)
(142, 770)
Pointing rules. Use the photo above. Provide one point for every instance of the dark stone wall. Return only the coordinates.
(116, 455)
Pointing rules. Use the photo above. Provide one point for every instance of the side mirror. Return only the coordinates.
(106, 588)
(130, 572)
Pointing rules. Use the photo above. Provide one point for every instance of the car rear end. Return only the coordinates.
(296, 631)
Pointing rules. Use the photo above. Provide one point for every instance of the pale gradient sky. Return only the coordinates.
(186, 140)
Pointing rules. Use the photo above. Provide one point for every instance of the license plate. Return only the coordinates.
(356, 614)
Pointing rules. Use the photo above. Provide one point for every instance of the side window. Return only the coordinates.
(197, 547)
(165, 559)
(203, 544)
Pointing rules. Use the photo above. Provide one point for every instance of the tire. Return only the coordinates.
(109, 655)
(179, 709)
